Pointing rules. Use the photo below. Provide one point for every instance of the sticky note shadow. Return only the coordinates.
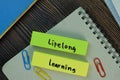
(60, 53)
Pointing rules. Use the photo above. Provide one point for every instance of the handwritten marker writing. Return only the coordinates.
(59, 43)
(99, 67)
(61, 64)
(26, 60)
(42, 74)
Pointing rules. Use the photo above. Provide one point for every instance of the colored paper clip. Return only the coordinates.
(42, 74)
(99, 67)
(26, 60)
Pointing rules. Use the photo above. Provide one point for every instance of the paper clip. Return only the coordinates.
(26, 60)
(99, 67)
(41, 73)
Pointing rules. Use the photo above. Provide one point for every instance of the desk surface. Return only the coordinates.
(45, 14)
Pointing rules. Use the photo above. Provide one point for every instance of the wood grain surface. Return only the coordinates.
(47, 13)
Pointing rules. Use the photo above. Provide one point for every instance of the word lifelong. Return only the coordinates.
(61, 45)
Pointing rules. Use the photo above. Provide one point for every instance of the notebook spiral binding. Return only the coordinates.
(99, 35)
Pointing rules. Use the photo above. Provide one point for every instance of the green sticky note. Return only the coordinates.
(60, 43)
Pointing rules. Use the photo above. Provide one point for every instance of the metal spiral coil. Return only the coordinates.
(99, 35)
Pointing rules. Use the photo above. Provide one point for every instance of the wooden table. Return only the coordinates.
(47, 13)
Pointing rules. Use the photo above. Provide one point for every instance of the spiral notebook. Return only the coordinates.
(104, 60)
(11, 11)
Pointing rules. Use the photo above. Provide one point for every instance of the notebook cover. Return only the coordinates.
(11, 11)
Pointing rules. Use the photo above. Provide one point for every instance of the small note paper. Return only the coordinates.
(59, 43)
(61, 64)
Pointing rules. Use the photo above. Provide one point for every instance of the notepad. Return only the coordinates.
(102, 65)
(114, 6)
(60, 43)
(58, 63)
(11, 11)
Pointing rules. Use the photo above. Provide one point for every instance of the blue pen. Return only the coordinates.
(26, 60)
